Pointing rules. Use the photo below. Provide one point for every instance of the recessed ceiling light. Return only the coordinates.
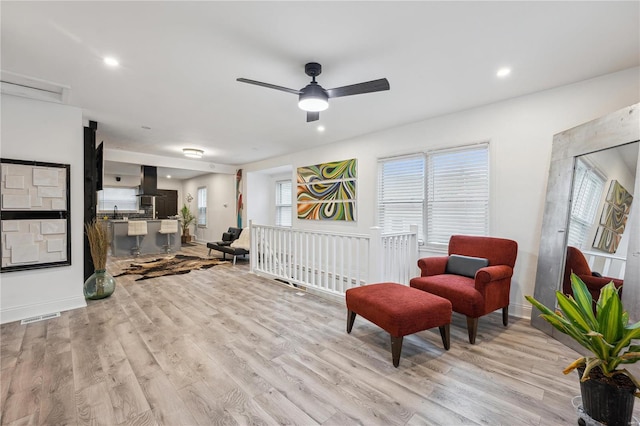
(192, 152)
(321, 128)
(503, 72)
(111, 61)
(168, 176)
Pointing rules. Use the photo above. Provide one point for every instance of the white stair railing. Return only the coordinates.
(608, 265)
(332, 262)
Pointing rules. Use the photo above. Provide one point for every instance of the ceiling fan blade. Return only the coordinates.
(357, 89)
(313, 116)
(269, 86)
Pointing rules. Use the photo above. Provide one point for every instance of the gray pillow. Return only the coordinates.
(465, 265)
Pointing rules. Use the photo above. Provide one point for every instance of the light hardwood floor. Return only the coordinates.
(224, 346)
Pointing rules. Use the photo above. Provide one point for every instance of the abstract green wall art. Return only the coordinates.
(327, 191)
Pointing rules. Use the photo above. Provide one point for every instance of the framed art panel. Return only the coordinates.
(35, 215)
(332, 210)
(336, 170)
(613, 218)
(327, 191)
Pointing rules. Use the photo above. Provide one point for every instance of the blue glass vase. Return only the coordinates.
(99, 285)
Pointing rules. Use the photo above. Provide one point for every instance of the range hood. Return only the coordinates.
(149, 181)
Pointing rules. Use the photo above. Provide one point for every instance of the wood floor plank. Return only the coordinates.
(57, 405)
(22, 404)
(205, 406)
(5, 381)
(359, 400)
(94, 406)
(166, 405)
(309, 399)
(244, 410)
(282, 410)
(138, 354)
(226, 347)
(128, 400)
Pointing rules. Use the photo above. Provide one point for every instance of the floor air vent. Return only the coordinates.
(40, 318)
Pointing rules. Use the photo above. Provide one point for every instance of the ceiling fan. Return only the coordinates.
(313, 98)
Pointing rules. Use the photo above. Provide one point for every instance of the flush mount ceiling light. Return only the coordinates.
(192, 152)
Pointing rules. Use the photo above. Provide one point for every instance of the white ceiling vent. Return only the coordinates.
(33, 88)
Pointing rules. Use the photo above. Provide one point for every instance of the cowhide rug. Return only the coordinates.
(175, 265)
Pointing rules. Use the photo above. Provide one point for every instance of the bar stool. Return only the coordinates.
(168, 227)
(136, 229)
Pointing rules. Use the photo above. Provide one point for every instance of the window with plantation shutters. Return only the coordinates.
(283, 203)
(457, 193)
(202, 206)
(401, 193)
(588, 184)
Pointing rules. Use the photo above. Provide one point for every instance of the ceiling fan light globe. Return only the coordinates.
(313, 98)
(313, 104)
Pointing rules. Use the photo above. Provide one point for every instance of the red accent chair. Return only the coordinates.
(484, 289)
(577, 263)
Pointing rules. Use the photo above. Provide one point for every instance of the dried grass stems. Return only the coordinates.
(98, 243)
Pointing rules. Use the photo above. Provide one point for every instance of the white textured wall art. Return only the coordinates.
(34, 206)
(27, 187)
(26, 242)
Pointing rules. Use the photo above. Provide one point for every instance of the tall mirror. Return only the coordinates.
(591, 220)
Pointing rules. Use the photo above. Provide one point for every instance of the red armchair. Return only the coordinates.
(577, 264)
(482, 290)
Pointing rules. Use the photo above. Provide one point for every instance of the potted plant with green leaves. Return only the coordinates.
(187, 219)
(608, 391)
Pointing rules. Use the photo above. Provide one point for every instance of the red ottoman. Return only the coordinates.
(400, 310)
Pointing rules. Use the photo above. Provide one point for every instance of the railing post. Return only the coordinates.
(253, 245)
(375, 255)
(413, 257)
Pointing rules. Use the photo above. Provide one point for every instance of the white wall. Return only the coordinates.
(258, 187)
(49, 132)
(262, 187)
(520, 132)
(221, 204)
(126, 181)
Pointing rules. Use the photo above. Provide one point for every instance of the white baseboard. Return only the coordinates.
(17, 313)
(520, 310)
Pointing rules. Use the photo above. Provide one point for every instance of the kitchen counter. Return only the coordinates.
(152, 243)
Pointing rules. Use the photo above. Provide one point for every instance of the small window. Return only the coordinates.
(122, 199)
(283, 203)
(588, 184)
(202, 207)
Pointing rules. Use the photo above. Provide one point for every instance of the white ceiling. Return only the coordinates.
(179, 62)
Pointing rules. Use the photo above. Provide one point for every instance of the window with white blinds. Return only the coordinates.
(122, 199)
(401, 193)
(457, 193)
(283, 203)
(202, 206)
(588, 184)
